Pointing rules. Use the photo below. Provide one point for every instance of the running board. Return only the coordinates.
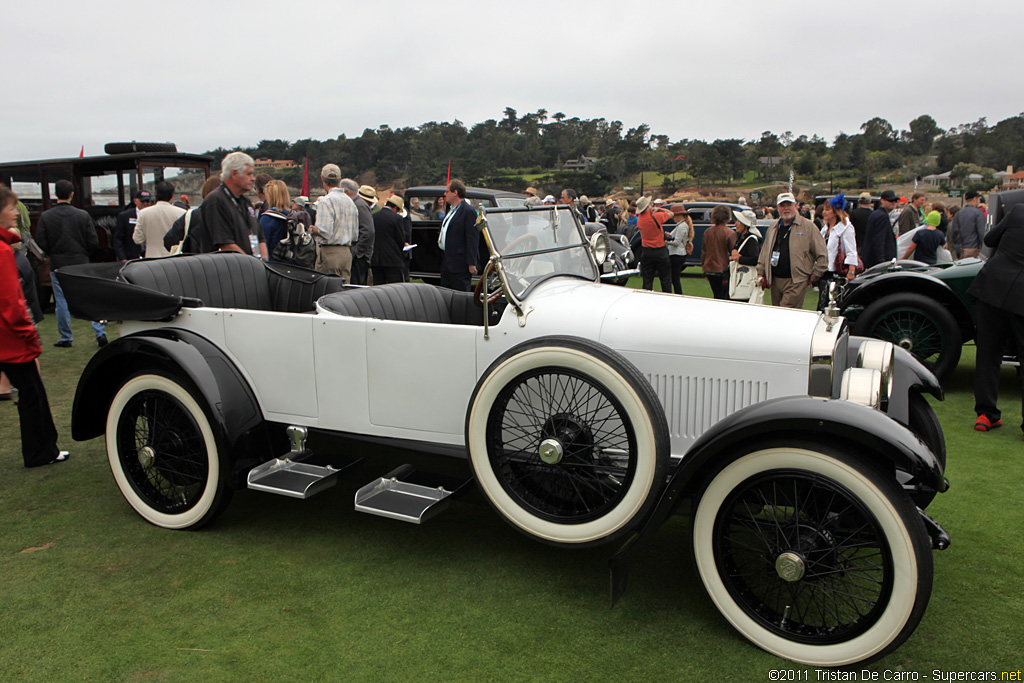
(394, 497)
(288, 477)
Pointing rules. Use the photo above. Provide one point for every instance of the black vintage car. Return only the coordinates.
(426, 208)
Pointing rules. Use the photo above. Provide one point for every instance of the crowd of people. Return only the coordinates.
(367, 241)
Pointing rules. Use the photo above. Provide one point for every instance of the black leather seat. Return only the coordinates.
(408, 301)
(232, 280)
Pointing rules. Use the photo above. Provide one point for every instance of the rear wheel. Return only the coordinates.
(918, 324)
(164, 454)
(813, 555)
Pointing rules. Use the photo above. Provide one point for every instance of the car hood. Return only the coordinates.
(638, 321)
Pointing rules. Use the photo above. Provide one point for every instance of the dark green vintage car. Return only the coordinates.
(923, 309)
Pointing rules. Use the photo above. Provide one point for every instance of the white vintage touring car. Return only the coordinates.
(585, 413)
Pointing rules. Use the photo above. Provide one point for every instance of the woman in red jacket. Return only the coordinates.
(19, 348)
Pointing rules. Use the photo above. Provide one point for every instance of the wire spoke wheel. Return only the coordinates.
(912, 330)
(562, 445)
(917, 323)
(802, 556)
(813, 554)
(162, 451)
(567, 440)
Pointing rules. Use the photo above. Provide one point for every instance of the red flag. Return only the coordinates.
(82, 153)
(448, 180)
(305, 177)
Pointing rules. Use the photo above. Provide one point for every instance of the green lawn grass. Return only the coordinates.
(283, 589)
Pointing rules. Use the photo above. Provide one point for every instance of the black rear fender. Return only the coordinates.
(233, 410)
(905, 282)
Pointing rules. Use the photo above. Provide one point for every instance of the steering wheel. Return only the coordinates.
(527, 242)
(489, 286)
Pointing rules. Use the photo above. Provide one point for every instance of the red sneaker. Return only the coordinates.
(984, 424)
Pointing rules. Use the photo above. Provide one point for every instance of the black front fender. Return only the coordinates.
(863, 431)
(230, 401)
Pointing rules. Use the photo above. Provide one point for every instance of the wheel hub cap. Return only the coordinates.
(790, 566)
(147, 456)
(551, 451)
(906, 344)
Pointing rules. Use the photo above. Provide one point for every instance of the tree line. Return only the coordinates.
(532, 148)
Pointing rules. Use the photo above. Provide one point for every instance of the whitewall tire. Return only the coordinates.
(567, 440)
(813, 555)
(164, 454)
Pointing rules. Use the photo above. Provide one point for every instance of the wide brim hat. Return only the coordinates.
(642, 204)
(746, 217)
(368, 193)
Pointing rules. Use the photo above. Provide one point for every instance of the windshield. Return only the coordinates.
(538, 243)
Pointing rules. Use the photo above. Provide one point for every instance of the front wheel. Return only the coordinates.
(567, 440)
(164, 454)
(918, 324)
(813, 555)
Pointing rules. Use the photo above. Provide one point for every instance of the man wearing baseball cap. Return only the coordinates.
(879, 244)
(794, 255)
(121, 238)
(337, 226)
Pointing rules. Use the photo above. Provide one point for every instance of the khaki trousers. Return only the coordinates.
(334, 259)
(788, 293)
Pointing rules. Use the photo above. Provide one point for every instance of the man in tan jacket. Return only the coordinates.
(793, 257)
(156, 220)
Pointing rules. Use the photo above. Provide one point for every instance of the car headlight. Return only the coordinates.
(863, 386)
(599, 246)
(878, 355)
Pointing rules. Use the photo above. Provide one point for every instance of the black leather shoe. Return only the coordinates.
(63, 344)
(102, 340)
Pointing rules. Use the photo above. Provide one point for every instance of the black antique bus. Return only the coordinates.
(104, 185)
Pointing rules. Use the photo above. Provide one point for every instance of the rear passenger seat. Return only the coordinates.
(233, 280)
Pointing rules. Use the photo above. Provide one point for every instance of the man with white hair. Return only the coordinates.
(337, 225)
(228, 219)
(362, 248)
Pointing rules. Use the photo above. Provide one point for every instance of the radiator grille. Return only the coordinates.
(693, 404)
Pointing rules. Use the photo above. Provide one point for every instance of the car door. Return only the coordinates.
(420, 376)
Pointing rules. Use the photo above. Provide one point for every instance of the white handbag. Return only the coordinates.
(757, 296)
(742, 279)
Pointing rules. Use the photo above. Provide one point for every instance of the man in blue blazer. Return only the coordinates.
(459, 240)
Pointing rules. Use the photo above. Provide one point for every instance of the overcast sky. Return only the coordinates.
(223, 73)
